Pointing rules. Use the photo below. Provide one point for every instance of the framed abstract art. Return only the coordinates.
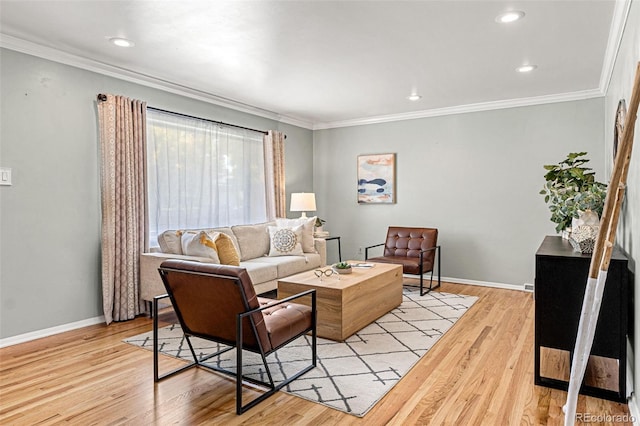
(377, 179)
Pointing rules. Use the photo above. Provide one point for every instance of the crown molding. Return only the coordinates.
(463, 109)
(55, 55)
(619, 19)
(618, 23)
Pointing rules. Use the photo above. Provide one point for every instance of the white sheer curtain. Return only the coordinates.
(201, 174)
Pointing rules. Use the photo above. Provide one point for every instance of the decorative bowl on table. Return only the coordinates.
(342, 268)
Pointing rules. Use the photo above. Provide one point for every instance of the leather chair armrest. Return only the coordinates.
(366, 250)
(430, 248)
(438, 251)
(311, 292)
(436, 248)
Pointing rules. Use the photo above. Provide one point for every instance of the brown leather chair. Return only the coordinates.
(218, 303)
(413, 248)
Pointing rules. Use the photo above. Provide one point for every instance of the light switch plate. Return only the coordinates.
(5, 176)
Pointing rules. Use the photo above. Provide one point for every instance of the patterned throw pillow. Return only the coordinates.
(307, 223)
(199, 244)
(226, 249)
(285, 241)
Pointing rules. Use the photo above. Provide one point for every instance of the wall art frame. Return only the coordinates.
(377, 179)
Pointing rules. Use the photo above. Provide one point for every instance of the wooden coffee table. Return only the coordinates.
(353, 301)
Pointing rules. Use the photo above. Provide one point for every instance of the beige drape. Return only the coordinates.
(122, 124)
(274, 174)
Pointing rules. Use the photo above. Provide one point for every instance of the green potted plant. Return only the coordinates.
(342, 268)
(319, 223)
(571, 189)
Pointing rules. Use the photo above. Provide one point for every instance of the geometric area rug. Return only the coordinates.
(350, 376)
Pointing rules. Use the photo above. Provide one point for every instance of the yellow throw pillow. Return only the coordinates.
(226, 250)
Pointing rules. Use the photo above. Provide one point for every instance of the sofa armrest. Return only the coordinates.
(151, 284)
(320, 244)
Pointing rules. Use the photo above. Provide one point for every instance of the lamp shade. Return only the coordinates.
(303, 202)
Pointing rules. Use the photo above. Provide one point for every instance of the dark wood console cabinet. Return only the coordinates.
(561, 277)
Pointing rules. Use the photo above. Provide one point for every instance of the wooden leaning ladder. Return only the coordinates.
(602, 256)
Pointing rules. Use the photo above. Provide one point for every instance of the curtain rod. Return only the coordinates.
(206, 119)
(102, 97)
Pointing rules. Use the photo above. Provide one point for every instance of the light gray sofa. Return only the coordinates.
(252, 243)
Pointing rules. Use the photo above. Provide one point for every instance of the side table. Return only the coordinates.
(327, 238)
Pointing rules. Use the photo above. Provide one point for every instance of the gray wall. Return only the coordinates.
(50, 217)
(476, 177)
(628, 235)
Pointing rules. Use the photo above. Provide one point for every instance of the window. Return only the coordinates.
(201, 174)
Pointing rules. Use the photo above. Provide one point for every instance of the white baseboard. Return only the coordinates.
(21, 338)
(484, 283)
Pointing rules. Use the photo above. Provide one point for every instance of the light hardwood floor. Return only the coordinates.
(479, 373)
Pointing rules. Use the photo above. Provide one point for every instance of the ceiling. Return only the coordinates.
(324, 64)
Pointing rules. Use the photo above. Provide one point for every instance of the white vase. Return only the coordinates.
(584, 232)
(586, 218)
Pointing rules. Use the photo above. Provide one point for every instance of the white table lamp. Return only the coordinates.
(303, 202)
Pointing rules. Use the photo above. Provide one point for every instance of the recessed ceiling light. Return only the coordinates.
(121, 42)
(510, 16)
(526, 68)
(414, 97)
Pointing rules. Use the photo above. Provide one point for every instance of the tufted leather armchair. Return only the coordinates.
(413, 248)
(218, 303)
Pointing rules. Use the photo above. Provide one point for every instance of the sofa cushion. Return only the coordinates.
(260, 272)
(226, 249)
(170, 241)
(285, 241)
(290, 265)
(199, 244)
(253, 240)
(307, 223)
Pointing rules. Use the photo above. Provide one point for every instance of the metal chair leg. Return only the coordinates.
(156, 375)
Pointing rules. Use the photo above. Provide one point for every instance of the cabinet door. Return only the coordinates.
(560, 288)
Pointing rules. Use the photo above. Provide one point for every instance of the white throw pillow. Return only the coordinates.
(169, 242)
(199, 244)
(285, 241)
(308, 223)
